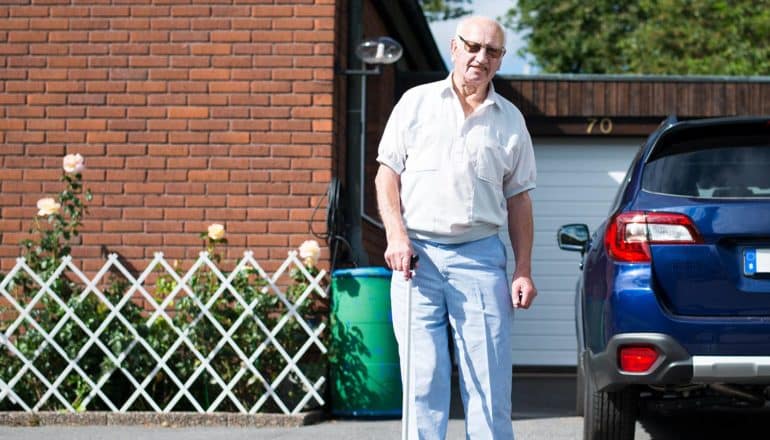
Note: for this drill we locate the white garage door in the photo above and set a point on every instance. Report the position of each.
(577, 179)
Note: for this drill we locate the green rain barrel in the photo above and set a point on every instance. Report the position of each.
(365, 375)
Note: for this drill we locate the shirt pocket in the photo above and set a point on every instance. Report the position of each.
(489, 163)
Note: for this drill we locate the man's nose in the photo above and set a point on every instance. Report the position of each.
(481, 55)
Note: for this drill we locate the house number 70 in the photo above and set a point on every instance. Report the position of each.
(604, 125)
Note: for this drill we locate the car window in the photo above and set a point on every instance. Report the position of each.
(626, 180)
(732, 171)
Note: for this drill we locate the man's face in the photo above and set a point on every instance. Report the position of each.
(479, 57)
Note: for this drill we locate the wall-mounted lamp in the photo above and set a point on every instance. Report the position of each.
(382, 50)
(375, 51)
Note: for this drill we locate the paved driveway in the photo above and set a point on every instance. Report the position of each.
(543, 409)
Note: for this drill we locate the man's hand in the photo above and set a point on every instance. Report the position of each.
(523, 292)
(398, 255)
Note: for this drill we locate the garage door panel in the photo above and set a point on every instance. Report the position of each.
(554, 328)
(582, 179)
(554, 342)
(571, 206)
(550, 197)
(544, 357)
(555, 284)
(564, 299)
(547, 313)
(553, 223)
(577, 182)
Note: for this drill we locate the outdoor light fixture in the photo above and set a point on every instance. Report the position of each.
(382, 50)
(375, 51)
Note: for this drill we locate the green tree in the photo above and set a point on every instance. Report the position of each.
(437, 10)
(687, 37)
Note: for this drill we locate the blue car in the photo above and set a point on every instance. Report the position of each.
(673, 302)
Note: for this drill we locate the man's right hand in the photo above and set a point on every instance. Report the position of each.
(398, 255)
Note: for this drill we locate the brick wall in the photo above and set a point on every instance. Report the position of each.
(188, 112)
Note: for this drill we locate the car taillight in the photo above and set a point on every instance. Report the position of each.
(629, 234)
(636, 359)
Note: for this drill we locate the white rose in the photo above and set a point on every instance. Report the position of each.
(310, 251)
(73, 163)
(47, 206)
(216, 231)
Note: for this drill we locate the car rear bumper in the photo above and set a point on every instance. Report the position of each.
(674, 365)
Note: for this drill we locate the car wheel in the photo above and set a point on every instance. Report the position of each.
(579, 387)
(608, 415)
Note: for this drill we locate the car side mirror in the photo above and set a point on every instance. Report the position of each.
(573, 237)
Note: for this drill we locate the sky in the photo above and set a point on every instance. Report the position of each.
(513, 64)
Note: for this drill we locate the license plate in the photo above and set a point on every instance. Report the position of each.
(756, 261)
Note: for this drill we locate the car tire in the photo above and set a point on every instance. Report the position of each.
(579, 387)
(608, 415)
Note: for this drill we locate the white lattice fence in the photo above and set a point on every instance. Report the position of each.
(203, 340)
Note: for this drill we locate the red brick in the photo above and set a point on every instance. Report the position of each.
(86, 124)
(167, 175)
(208, 176)
(67, 36)
(45, 124)
(86, 24)
(64, 137)
(251, 23)
(11, 124)
(27, 37)
(164, 124)
(230, 138)
(230, 36)
(24, 137)
(150, 11)
(227, 188)
(272, 11)
(187, 138)
(205, 201)
(123, 226)
(146, 112)
(107, 112)
(190, 11)
(183, 214)
(111, 137)
(170, 23)
(28, 112)
(293, 23)
(210, 125)
(249, 176)
(185, 188)
(209, 74)
(314, 11)
(188, 112)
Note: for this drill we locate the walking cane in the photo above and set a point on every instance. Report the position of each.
(408, 350)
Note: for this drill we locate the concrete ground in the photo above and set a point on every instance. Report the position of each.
(543, 408)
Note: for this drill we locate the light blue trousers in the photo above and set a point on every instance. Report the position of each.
(462, 287)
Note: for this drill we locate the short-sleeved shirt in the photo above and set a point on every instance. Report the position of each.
(456, 173)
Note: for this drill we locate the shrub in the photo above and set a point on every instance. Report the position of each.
(205, 329)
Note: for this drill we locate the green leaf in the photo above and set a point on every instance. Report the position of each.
(644, 36)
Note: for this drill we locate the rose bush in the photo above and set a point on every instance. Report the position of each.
(254, 319)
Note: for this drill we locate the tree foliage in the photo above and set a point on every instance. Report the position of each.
(687, 37)
(437, 10)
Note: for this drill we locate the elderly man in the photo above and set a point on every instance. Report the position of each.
(456, 162)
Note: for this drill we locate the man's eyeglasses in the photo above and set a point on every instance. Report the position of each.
(473, 47)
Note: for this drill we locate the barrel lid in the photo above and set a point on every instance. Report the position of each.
(362, 272)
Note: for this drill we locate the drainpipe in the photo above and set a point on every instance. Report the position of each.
(356, 135)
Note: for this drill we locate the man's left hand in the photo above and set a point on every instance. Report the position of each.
(523, 292)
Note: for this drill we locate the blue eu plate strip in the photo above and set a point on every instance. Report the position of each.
(749, 262)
